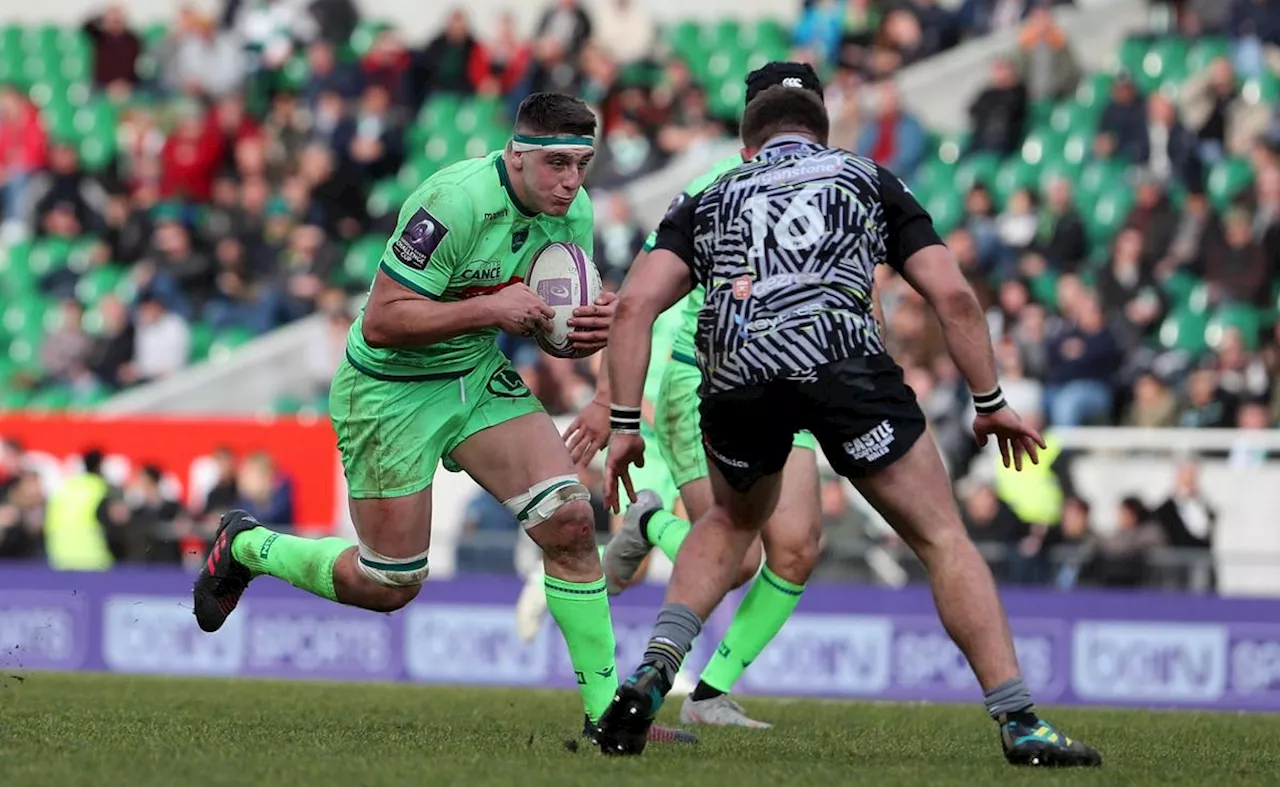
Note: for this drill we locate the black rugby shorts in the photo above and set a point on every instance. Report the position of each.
(862, 412)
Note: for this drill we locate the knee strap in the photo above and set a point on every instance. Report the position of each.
(541, 501)
(393, 572)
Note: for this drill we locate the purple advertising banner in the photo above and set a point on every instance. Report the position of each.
(845, 641)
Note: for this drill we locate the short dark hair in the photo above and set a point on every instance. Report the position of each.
(93, 461)
(780, 109)
(547, 114)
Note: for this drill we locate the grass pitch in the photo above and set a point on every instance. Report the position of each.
(108, 731)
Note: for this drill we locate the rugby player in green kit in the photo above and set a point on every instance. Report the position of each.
(423, 381)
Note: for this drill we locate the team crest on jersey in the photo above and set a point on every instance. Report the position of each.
(742, 288)
(421, 236)
(518, 238)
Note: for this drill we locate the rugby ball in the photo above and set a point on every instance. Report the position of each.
(564, 277)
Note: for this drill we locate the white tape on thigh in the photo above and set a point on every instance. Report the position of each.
(393, 572)
(541, 501)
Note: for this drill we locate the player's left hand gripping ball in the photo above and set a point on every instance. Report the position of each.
(590, 324)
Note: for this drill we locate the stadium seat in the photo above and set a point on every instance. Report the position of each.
(362, 260)
(231, 338)
(1243, 317)
(1014, 174)
(201, 341)
(1206, 50)
(1109, 210)
(98, 282)
(363, 36)
(976, 168)
(1184, 330)
(1228, 178)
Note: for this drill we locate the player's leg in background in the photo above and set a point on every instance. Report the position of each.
(678, 433)
(915, 497)
(746, 479)
(792, 539)
(385, 438)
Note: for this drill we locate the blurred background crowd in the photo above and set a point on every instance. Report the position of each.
(171, 190)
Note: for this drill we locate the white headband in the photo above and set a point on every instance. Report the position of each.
(523, 144)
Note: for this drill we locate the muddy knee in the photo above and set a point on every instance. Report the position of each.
(568, 536)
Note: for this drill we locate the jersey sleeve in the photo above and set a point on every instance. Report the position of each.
(431, 240)
(675, 233)
(582, 224)
(909, 226)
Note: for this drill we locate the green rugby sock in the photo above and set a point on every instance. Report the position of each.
(581, 610)
(666, 531)
(305, 563)
(759, 618)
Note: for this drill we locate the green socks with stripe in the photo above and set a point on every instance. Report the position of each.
(759, 618)
(305, 563)
(665, 530)
(581, 610)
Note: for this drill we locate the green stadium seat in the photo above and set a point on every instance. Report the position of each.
(227, 341)
(49, 254)
(439, 111)
(52, 399)
(947, 208)
(1098, 177)
(363, 36)
(1262, 89)
(13, 398)
(1184, 330)
(1108, 213)
(386, 197)
(1132, 52)
(1205, 51)
(287, 405)
(96, 116)
(98, 150)
(201, 341)
(1246, 319)
(1164, 61)
(952, 147)
(685, 39)
(1014, 174)
(362, 260)
(1228, 178)
(976, 168)
(414, 171)
(1179, 288)
(16, 277)
(99, 282)
(1094, 91)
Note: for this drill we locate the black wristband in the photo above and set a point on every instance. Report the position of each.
(624, 419)
(989, 402)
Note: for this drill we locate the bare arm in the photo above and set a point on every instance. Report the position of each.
(396, 316)
(654, 284)
(933, 272)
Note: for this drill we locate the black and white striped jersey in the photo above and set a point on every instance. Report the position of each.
(786, 246)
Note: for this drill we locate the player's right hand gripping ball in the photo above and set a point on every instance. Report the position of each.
(565, 277)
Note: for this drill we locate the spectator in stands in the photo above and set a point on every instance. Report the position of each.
(308, 263)
(567, 25)
(337, 193)
(1207, 406)
(66, 348)
(270, 29)
(1241, 375)
(12, 463)
(483, 543)
(998, 115)
(324, 356)
(236, 294)
(141, 520)
(327, 74)
(1236, 268)
(115, 53)
(23, 150)
(334, 20)
(821, 29)
(113, 346)
(498, 64)
(1069, 543)
(176, 272)
(1253, 23)
(1045, 60)
(1153, 405)
(1224, 121)
(224, 493)
(1083, 358)
(1155, 220)
(899, 43)
(1122, 131)
(618, 238)
(894, 138)
(625, 153)
(190, 158)
(162, 344)
(390, 65)
(844, 99)
(64, 187)
(626, 30)
(1197, 225)
(264, 492)
(1025, 394)
(1017, 223)
(1130, 292)
(1122, 557)
(1170, 152)
(22, 513)
(1264, 204)
(993, 526)
(690, 125)
(74, 519)
(377, 146)
(199, 59)
(1252, 417)
(1060, 235)
(1186, 516)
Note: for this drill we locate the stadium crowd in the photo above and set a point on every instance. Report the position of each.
(212, 178)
